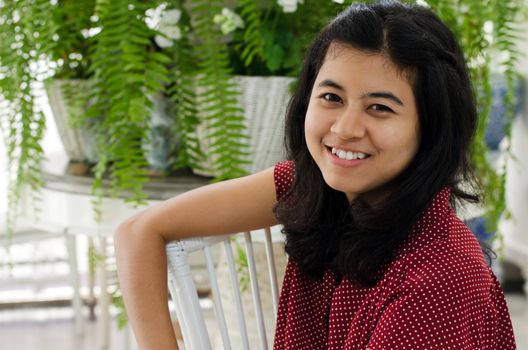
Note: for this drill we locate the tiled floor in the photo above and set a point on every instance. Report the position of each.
(52, 329)
(518, 305)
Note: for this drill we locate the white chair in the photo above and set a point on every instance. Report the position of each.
(32, 235)
(185, 298)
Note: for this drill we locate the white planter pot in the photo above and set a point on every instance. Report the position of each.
(264, 100)
(80, 143)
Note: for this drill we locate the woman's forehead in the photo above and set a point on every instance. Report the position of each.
(339, 49)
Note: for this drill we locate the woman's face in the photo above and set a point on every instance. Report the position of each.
(361, 125)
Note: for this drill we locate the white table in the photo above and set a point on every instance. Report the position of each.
(66, 204)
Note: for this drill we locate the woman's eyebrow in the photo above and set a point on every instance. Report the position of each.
(378, 94)
(384, 94)
(330, 83)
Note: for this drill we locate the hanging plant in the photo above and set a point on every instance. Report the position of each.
(191, 53)
(23, 30)
(217, 95)
(125, 73)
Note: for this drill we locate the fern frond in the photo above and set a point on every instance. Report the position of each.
(253, 43)
(25, 36)
(183, 93)
(126, 73)
(217, 95)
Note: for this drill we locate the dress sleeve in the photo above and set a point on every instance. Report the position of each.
(283, 175)
(444, 310)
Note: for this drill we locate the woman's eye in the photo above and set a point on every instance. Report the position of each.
(330, 97)
(381, 108)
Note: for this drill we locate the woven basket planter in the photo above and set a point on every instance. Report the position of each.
(264, 100)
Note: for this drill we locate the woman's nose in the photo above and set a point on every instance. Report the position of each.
(349, 125)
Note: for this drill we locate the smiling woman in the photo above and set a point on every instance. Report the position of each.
(378, 135)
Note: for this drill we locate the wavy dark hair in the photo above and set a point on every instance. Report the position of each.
(358, 240)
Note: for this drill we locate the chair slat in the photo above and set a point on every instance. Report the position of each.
(255, 291)
(219, 310)
(185, 298)
(272, 271)
(236, 291)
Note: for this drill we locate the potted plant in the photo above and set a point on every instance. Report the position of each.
(193, 53)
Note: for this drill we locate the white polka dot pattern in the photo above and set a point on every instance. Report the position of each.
(283, 174)
(437, 294)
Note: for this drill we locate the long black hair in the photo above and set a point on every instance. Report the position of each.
(322, 228)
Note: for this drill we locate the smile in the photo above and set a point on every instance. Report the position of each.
(348, 155)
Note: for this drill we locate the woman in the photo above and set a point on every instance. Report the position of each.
(378, 135)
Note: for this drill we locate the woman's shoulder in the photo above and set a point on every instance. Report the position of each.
(283, 175)
(442, 288)
(454, 259)
(285, 169)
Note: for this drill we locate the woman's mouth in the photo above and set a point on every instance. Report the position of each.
(348, 155)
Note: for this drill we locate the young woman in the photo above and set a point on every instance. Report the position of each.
(378, 135)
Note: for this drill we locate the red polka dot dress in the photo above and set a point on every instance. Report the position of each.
(438, 294)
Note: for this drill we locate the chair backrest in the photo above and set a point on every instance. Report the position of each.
(185, 297)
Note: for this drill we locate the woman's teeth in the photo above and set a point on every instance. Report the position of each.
(348, 155)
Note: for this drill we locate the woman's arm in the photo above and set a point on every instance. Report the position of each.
(227, 207)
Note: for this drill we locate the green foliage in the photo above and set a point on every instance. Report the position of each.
(242, 266)
(125, 72)
(253, 43)
(71, 17)
(94, 258)
(487, 30)
(118, 303)
(183, 92)
(22, 30)
(76, 98)
(217, 96)
(273, 42)
(507, 34)
(126, 66)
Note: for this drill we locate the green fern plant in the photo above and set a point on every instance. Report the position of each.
(487, 29)
(76, 98)
(182, 92)
(217, 97)
(196, 73)
(23, 30)
(71, 18)
(507, 34)
(253, 42)
(125, 73)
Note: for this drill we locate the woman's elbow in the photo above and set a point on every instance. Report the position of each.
(135, 233)
(128, 234)
(124, 229)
